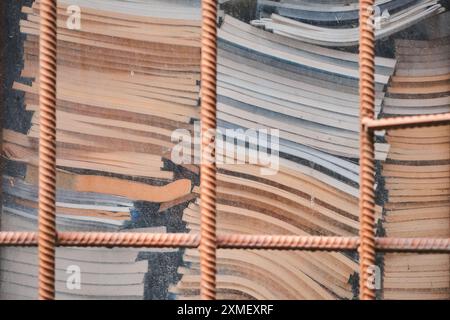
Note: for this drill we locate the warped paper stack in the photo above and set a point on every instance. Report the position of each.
(103, 273)
(310, 94)
(126, 79)
(125, 82)
(391, 16)
(417, 172)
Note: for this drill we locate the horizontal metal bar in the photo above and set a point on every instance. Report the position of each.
(431, 245)
(406, 122)
(105, 239)
(239, 241)
(227, 241)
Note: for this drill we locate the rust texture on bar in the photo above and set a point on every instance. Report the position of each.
(407, 122)
(226, 241)
(208, 165)
(47, 149)
(366, 160)
(129, 239)
(419, 245)
(287, 242)
(18, 238)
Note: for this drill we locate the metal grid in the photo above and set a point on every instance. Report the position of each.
(47, 237)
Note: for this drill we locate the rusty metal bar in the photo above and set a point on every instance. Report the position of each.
(18, 238)
(419, 245)
(226, 241)
(367, 159)
(47, 149)
(241, 241)
(407, 122)
(129, 239)
(208, 241)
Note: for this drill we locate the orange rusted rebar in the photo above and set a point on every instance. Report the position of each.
(18, 238)
(367, 160)
(407, 122)
(129, 239)
(226, 241)
(47, 148)
(318, 243)
(238, 241)
(208, 165)
(419, 245)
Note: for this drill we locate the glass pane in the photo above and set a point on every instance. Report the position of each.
(287, 153)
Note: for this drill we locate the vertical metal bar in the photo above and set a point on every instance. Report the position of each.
(47, 149)
(367, 160)
(208, 241)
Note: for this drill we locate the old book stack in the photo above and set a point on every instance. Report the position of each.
(338, 21)
(416, 173)
(125, 82)
(127, 77)
(81, 273)
(310, 94)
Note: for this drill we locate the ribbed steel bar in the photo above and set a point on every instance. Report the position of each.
(419, 245)
(407, 122)
(18, 238)
(226, 241)
(367, 160)
(47, 148)
(236, 241)
(129, 239)
(208, 164)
